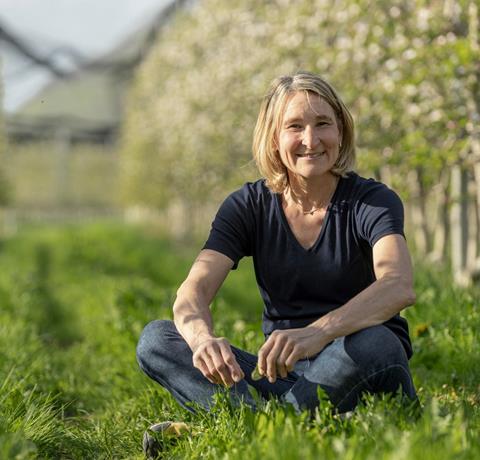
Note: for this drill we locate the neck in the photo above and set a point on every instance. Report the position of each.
(314, 193)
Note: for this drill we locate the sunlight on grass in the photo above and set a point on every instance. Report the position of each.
(74, 300)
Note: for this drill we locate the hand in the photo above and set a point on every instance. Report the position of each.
(284, 348)
(216, 361)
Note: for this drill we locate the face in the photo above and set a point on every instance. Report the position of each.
(309, 137)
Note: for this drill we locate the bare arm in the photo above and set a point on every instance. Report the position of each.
(390, 293)
(191, 312)
(192, 317)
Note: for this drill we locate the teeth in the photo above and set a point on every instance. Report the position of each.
(315, 155)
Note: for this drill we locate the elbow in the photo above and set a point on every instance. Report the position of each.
(408, 294)
(410, 298)
(175, 310)
(189, 293)
(178, 299)
(179, 310)
(405, 292)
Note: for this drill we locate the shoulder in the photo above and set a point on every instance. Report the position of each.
(369, 191)
(252, 189)
(251, 194)
(378, 210)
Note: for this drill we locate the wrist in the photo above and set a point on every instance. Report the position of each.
(198, 339)
(322, 332)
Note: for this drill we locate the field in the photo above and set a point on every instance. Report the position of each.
(73, 301)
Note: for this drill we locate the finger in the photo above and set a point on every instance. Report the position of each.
(206, 356)
(294, 356)
(272, 360)
(282, 368)
(229, 358)
(262, 355)
(221, 367)
(200, 364)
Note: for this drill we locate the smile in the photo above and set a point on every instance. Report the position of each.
(311, 155)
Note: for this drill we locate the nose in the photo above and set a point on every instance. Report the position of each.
(310, 138)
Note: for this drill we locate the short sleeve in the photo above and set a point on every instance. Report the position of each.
(231, 231)
(379, 212)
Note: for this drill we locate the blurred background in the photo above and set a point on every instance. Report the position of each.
(143, 110)
(125, 123)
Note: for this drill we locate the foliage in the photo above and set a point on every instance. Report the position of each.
(408, 70)
(73, 302)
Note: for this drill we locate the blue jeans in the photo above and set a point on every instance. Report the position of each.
(372, 360)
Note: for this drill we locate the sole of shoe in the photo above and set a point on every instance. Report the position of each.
(154, 437)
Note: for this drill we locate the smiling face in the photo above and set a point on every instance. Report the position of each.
(309, 136)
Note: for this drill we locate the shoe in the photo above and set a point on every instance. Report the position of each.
(158, 435)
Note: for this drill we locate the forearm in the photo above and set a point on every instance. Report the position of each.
(374, 305)
(192, 316)
(212, 355)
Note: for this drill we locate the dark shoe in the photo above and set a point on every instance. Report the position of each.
(158, 436)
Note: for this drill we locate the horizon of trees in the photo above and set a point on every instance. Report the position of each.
(409, 71)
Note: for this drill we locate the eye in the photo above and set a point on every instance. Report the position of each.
(294, 126)
(323, 123)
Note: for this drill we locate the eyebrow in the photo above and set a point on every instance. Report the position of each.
(318, 117)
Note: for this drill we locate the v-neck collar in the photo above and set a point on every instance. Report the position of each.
(283, 217)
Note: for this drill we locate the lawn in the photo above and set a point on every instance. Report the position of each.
(73, 301)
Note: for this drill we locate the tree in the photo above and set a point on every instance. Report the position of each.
(409, 70)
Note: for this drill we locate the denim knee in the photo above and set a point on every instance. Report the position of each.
(153, 340)
(371, 360)
(375, 347)
(379, 352)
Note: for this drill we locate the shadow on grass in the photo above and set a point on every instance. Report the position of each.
(55, 325)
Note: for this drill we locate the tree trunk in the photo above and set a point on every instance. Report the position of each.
(472, 246)
(476, 178)
(419, 219)
(459, 225)
(441, 229)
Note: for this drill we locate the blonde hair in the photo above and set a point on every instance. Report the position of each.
(265, 150)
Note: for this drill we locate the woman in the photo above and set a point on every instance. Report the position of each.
(330, 260)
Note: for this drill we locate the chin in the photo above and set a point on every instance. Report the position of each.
(313, 173)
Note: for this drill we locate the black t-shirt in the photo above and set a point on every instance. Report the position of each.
(300, 285)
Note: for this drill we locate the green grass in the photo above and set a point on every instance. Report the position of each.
(73, 301)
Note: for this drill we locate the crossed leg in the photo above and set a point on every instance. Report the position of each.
(370, 360)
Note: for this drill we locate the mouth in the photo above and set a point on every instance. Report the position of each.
(311, 156)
